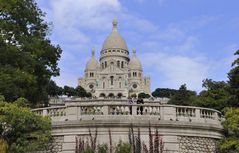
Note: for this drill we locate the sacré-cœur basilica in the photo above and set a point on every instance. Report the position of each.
(108, 117)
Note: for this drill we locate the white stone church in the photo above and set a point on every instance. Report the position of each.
(115, 75)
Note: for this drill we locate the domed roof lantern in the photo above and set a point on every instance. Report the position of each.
(134, 63)
(92, 64)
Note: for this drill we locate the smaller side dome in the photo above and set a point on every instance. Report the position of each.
(134, 63)
(92, 64)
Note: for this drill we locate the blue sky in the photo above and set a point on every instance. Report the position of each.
(177, 41)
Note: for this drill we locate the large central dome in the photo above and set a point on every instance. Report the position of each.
(114, 40)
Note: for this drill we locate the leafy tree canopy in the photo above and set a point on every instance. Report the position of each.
(143, 95)
(21, 130)
(183, 96)
(81, 92)
(27, 57)
(214, 96)
(233, 76)
(230, 144)
(164, 92)
(54, 90)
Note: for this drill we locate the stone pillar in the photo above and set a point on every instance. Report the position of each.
(44, 112)
(134, 110)
(71, 113)
(105, 110)
(168, 113)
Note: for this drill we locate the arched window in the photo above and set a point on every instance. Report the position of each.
(122, 64)
(111, 80)
(102, 95)
(103, 85)
(119, 84)
(119, 95)
(111, 95)
(118, 63)
(105, 64)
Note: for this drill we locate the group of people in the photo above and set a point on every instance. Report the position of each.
(136, 101)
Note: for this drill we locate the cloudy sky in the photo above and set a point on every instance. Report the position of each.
(177, 41)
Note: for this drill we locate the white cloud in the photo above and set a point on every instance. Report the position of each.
(177, 69)
(81, 13)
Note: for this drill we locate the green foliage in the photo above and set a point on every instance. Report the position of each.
(143, 95)
(23, 130)
(80, 92)
(69, 91)
(103, 148)
(233, 76)
(214, 96)
(27, 57)
(183, 96)
(230, 144)
(123, 147)
(3, 146)
(88, 149)
(164, 92)
(53, 90)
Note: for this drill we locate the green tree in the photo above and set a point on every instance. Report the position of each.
(164, 92)
(102, 148)
(233, 76)
(81, 92)
(27, 58)
(214, 96)
(183, 96)
(230, 144)
(69, 91)
(22, 130)
(123, 147)
(53, 90)
(143, 95)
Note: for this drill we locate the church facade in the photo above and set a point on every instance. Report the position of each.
(115, 74)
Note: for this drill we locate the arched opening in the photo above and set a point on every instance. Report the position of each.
(122, 64)
(105, 64)
(103, 85)
(118, 63)
(111, 95)
(112, 80)
(119, 95)
(102, 95)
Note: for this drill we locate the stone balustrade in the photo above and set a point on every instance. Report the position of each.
(77, 111)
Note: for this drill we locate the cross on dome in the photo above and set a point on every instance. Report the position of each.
(93, 52)
(115, 23)
(134, 52)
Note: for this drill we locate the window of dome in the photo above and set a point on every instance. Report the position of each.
(122, 64)
(91, 86)
(135, 86)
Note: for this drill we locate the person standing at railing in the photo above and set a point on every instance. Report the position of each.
(140, 108)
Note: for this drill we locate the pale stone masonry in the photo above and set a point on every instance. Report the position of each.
(115, 75)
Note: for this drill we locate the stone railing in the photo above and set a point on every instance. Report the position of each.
(110, 110)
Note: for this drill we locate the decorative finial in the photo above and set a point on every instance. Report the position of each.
(134, 52)
(114, 23)
(93, 52)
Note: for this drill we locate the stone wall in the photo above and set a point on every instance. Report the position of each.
(197, 144)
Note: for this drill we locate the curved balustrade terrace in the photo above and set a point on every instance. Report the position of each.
(178, 125)
(113, 109)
